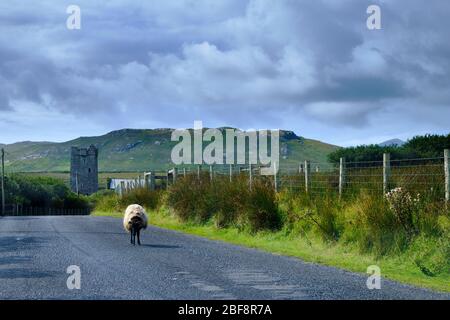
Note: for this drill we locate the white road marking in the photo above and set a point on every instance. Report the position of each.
(262, 281)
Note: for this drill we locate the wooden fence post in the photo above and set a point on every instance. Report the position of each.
(386, 172)
(307, 176)
(211, 173)
(184, 172)
(231, 172)
(447, 174)
(341, 176)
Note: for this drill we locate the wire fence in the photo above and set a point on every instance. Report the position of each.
(422, 175)
(416, 175)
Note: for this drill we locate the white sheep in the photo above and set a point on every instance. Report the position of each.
(134, 220)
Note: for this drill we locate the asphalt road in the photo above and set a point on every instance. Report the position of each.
(36, 251)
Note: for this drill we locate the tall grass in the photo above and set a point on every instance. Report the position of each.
(375, 225)
(201, 199)
(109, 201)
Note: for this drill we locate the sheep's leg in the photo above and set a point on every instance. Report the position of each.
(139, 237)
(132, 235)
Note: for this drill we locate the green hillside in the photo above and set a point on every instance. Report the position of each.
(138, 150)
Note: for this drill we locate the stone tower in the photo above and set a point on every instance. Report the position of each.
(84, 170)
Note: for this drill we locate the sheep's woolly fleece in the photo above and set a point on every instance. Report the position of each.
(134, 210)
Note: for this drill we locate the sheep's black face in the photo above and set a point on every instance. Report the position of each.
(136, 223)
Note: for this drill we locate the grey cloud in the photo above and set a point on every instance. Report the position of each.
(231, 62)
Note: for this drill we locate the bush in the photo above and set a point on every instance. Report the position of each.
(373, 226)
(231, 201)
(403, 206)
(261, 209)
(109, 201)
(326, 213)
(147, 198)
(432, 255)
(192, 198)
(224, 202)
(41, 192)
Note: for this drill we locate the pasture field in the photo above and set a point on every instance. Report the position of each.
(102, 176)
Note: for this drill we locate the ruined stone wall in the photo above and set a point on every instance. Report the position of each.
(84, 170)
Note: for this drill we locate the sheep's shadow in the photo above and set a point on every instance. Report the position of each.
(160, 246)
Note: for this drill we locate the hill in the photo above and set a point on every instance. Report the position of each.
(392, 142)
(138, 150)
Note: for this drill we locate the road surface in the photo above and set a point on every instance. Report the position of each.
(35, 253)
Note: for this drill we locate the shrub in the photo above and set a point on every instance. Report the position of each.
(296, 209)
(372, 225)
(403, 206)
(326, 217)
(432, 255)
(231, 201)
(261, 210)
(109, 201)
(41, 192)
(150, 199)
(226, 203)
(192, 198)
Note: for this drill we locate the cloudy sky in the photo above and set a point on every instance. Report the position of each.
(309, 66)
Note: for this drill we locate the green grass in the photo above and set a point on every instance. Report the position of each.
(313, 249)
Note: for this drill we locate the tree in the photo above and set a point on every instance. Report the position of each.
(427, 146)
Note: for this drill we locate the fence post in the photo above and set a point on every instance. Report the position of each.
(231, 172)
(307, 176)
(211, 173)
(198, 172)
(447, 174)
(386, 172)
(341, 176)
(184, 172)
(174, 175)
(250, 175)
(122, 188)
(275, 176)
(152, 180)
(167, 179)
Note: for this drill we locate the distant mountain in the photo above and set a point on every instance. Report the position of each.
(392, 142)
(139, 150)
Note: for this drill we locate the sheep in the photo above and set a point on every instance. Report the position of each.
(134, 220)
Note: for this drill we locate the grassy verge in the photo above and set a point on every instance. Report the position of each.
(400, 268)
